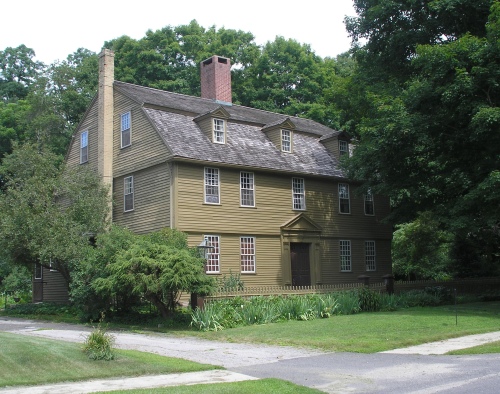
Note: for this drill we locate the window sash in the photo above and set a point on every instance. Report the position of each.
(219, 131)
(298, 194)
(345, 256)
(343, 148)
(212, 186)
(247, 254)
(213, 256)
(344, 201)
(128, 193)
(38, 271)
(286, 141)
(247, 191)
(125, 130)
(370, 256)
(369, 204)
(84, 147)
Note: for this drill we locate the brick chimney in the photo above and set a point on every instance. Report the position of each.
(105, 119)
(216, 79)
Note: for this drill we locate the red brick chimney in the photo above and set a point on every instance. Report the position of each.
(216, 79)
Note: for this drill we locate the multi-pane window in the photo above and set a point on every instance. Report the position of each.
(370, 260)
(369, 206)
(213, 255)
(125, 130)
(128, 193)
(247, 253)
(38, 271)
(343, 148)
(286, 141)
(298, 194)
(212, 185)
(219, 131)
(247, 194)
(344, 202)
(345, 256)
(84, 146)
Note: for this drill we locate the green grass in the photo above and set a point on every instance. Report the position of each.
(263, 386)
(370, 332)
(493, 347)
(29, 361)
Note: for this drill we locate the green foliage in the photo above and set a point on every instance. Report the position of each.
(98, 345)
(229, 283)
(369, 300)
(43, 309)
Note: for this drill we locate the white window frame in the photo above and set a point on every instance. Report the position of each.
(298, 194)
(52, 269)
(343, 148)
(125, 129)
(128, 190)
(369, 201)
(344, 198)
(345, 255)
(370, 256)
(211, 181)
(38, 274)
(247, 255)
(247, 189)
(84, 147)
(212, 265)
(286, 141)
(219, 131)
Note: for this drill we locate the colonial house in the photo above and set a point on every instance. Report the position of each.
(265, 190)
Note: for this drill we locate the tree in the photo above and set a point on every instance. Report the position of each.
(48, 212)
(158, 267)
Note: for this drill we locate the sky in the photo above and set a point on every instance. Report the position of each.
(56, 28)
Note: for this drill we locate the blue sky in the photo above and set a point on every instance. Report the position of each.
(56, 28)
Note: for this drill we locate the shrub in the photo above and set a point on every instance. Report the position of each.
(369, 300)
(99, 344)
(348, 303)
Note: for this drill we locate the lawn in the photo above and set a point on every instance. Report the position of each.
(493, 347)
(29, 361)
(370, 332)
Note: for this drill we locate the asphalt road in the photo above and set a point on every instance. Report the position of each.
(329, 372)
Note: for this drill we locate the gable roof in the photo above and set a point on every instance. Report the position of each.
(174, 116)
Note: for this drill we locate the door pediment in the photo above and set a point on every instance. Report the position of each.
(301, 223)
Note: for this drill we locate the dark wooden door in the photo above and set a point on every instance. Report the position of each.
(37, 291)
(301, 270)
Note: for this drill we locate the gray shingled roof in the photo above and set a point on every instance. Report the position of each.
(246, 145)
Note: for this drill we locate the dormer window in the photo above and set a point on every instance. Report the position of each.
(343, 148)
(286, 141)
(219, 130)
(84, 147)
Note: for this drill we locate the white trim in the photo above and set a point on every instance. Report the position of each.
(125, 126)
(128, 189)
(345, 253)
(286, 141)
(370, 258)
(344, 195)
(212, 265)
(218, 131)
(213, 183)
(368, 197)
(249, 256)
(82, 134)
(247, 186)
(298, 194)
(38, 266)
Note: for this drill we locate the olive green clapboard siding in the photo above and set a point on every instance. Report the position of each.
(147, 147)
(151, 200)
(55, 288)
(331, 260)
(273, 206)
(89, 123)
(332, 144)
(274, 136)
(206, 125)
(267, 258)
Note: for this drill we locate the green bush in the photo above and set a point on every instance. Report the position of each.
(369, 300)
(99, 344)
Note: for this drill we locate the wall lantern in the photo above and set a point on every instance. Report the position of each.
(204, 249)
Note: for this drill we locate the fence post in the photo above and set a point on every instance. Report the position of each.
(389, 283)
(365, 279)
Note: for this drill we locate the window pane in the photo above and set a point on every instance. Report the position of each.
(219, 132)
(125, 130)
(344, 202)
(369, 206)
(128, 193)
(345, 255)
(247, 253)
(84, 147)
(298, 194)
(286, 141)
(213, 255)
(247, 189)
(370, 256)
(212, 185)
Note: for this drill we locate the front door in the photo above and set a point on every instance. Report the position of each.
(301, 271)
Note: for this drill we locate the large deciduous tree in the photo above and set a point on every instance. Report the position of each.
(48, 212)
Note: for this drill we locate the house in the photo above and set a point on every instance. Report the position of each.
(265, 190)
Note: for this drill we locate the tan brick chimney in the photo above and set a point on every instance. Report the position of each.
(105, 119)
(216, 79)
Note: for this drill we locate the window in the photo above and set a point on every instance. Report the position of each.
(247, 189)
(52, 266)
(213, 255)
(345, 256)
(219, 131)
(38, 271)
(369, 208)
(286, 141)
(84, 147)
(298, 194)
(343, 148)
(247, 253)
(212, 185)
(370, 256)
(125, 130)
(128, 193)
(344, 203)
